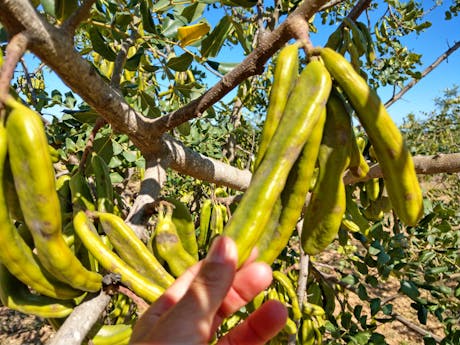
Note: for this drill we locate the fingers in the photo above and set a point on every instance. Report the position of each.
(196, 297)
(260, 326)
(248, 282)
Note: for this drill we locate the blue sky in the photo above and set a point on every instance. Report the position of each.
(431, 43)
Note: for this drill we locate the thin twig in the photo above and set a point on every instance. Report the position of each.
(33, 96)
(430, 68)
(90, 142)
(121, 59)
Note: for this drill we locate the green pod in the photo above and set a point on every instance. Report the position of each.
(353, 212)
(372, 187)
(293, 197)
(11, 196)
(205, 219)
(183, 220)
(285, 75)
(168, 245)
(132, 250)
(358, 165)
(104, 188)
(16, 255)
(15, 295)
(303, 109)
(335, 39)
(286, 283)
(119, 334)
(327, 203)
(217, 221)
(33, 176)
(129, 277)
(64, 194)
(391, 151)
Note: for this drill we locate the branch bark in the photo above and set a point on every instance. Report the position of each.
(424, 165)
(75, 328)
(431, 67)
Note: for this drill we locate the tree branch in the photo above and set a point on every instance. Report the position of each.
(75, 328)
(253, 64)
(189, 162)
(80, 15)
(431, 67)
(143, 207)
(14, 52)
(424, 165)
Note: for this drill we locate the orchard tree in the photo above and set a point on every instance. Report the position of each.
(145, 135)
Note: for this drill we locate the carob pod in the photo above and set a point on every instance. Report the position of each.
(16, 255)
(285, 76)
(139, 284)
(326, 208)
(183, 220)
(390, 149)
(305, 105)
(132, 250)
(293, 197)
(33, 176)
(168, 244)
(15, 295)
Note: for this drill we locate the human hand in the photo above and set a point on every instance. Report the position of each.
(191, 310)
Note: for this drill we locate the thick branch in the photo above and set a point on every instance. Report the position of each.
(186, 161)
(142, 209)
(75, 328)
(431, 67)
(424, 165)
(54, 47)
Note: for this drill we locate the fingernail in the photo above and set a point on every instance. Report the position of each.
(222, 250)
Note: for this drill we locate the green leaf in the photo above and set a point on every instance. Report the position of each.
(49, 6)
(387, 309)
(193, 12)
(130, 156)
(212, 44)
(100, 46)
(180, 63)
(410, 289)
(375, 306)
(70, 100)
(132, 64)
(115, 177)
(147, 20)
(56, 96)
(222, 67)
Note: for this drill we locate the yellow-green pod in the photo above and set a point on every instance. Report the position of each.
(132, 250)
(183, 220)
(304, 106)
(390, 149)
(168, 245)
(285, 75)
(15, 295)
(327, 203)
(113, 335)
(139, 284)
(16, 255)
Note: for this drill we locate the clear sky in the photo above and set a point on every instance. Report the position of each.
(431, 44)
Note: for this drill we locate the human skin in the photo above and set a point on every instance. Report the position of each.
(191, 310)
